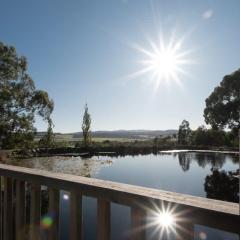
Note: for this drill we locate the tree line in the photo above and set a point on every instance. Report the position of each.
(203, 136)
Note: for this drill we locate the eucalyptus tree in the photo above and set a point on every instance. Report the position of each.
(223, 105)
(20, 101)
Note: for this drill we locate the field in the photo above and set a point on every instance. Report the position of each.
(113, 136)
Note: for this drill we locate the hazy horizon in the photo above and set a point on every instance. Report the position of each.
(116, 130)
(104, 53)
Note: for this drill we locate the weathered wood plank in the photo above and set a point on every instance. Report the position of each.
(8, 209)
(128, 194)
(103, 219)
(76, 215)
(138, 224)
(35, 212)
(108, 189)
(20, 210)
(54, 212)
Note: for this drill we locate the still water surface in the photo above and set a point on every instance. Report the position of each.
(179, 172)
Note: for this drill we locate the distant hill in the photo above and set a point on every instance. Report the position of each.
(130, 134)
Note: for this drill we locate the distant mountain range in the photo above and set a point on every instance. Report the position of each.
(134, 134)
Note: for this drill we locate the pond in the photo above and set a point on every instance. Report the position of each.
(183, 172)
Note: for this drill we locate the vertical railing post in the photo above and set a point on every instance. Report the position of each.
(76, 215)
(8, 209)
(20, 210)
(103, 219)
(138, 224)
(1, 210)
(54, 212)
(35, 212)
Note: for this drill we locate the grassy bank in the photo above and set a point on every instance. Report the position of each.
(120, 148)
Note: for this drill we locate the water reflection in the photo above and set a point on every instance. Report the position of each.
(214, 160)
(222, 185)
(184, 161)
(71, 165)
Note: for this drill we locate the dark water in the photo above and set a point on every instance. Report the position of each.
(183, 172)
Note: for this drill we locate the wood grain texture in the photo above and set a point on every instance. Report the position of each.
(35, 212)
(54, 212)
(1, 210)
(76, 216)
(20, 210)
(138, 224)
(103, 219)
(8, 209)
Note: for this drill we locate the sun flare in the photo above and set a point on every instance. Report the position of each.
(163, 62)
(165, 219)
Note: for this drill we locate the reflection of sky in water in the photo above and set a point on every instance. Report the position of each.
(179, 172)
(206, 233)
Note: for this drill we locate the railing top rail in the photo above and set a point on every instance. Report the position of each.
(116, 192)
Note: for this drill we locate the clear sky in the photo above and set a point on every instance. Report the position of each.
(85, 51)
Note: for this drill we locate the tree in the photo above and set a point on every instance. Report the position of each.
(184, 132)
(223, 105)
(47, 141)
(209, 137)
(20, 101)
(86, 125)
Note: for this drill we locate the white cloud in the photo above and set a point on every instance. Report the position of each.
(207, 14)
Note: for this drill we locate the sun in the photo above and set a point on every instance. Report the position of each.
(165, 219)
(163, 61)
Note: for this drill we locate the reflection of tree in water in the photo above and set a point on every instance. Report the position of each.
(184, 161)
(222, 185)
(215, 160)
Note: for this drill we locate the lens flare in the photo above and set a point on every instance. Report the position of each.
(46, 222)
(65, 196)
(165, 219)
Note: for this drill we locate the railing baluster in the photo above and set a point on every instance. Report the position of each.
(75, 215)
(8, 209)
(138, 224)
(54, 212)
(103, 220)
(35, 211)
(20, 210)
(1, 209)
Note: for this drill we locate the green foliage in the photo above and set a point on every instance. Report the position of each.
(223, 105)
(20, 102)
(213, 137)
(47, 141)
(86, 125)
(184, 132)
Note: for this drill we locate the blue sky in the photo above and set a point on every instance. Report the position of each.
(82, 51)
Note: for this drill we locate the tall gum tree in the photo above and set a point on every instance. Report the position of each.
(223, 105)
(20, 101)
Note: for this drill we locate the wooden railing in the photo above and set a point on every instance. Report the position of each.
(194, 210)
